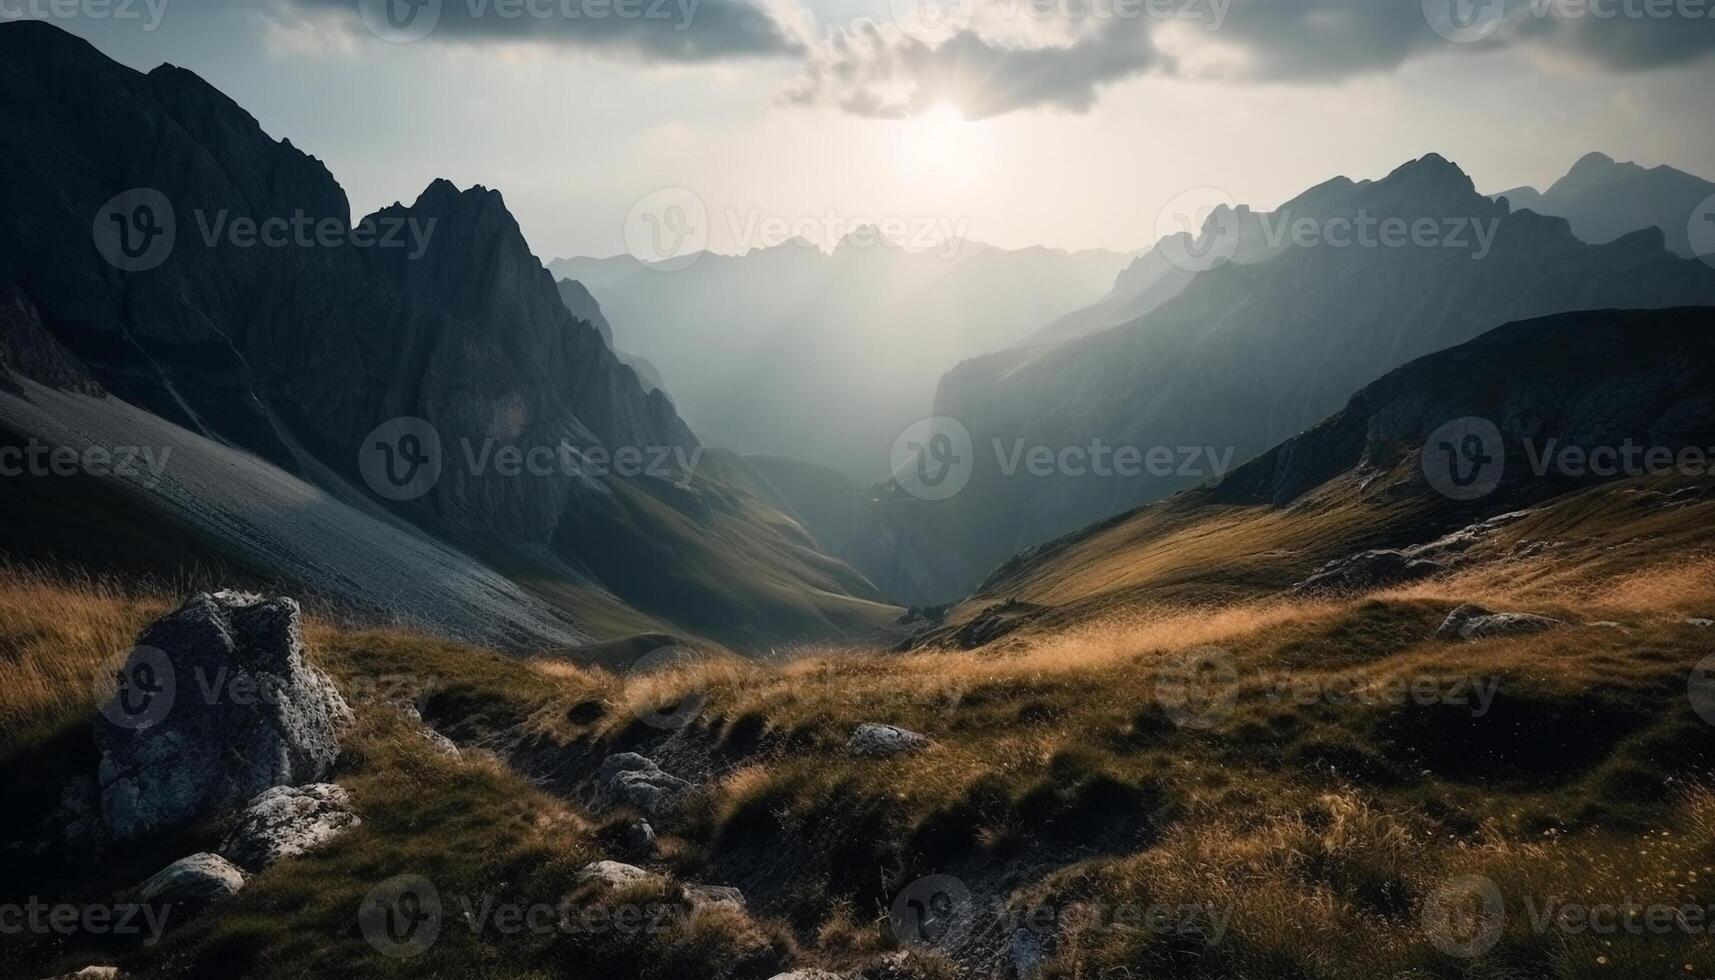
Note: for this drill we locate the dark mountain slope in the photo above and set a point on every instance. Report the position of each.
(1358, 480)
(296, 347)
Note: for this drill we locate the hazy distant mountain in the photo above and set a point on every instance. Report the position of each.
(1604, 200)
(288, 356)
(828, 356)
(1250, 353)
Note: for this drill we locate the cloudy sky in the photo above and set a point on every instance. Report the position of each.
(1068, 123)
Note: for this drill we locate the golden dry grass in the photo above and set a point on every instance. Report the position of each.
(57, 633)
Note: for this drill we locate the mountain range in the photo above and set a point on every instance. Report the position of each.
(274, 368)
(1232, 357)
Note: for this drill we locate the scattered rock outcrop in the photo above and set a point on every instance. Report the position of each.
(636, 780)
(874, 741)
(1384, 567)
(193, 882)
(1472, 622)
(287, 821)
(216, 704)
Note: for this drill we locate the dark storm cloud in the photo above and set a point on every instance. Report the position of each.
(877, 70)
(865, 71)
(653, 30)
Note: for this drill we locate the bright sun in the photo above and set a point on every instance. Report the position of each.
(938, 149)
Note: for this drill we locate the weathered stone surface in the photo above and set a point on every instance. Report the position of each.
(192, 882)
(613, 874)
(1472, 622)
(884, 741)
(1368, 570)
(716, 895)
(287, 821)
(807, 975)
(636, 780)
(235, 709)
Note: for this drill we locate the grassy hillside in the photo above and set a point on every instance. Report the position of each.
(1302, 817)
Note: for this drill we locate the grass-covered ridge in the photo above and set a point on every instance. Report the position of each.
(1306, 821)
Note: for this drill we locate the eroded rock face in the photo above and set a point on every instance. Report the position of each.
(215, 705)
(636, 780)
(884, 741)
(287, 821)
(1472, 622)
(194, 882)
(1368, 570)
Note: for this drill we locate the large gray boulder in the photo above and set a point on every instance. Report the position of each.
(636, 780)
(192, 882)
(884, 741)
(287, 821)
(214, 705)
(1472, 622)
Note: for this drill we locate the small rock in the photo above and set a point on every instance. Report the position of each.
(1702, 623)
(639, 836)
(884, 741)
(635, 779)
(1026, 955)
(287, 821)
(613, 874)
(1472, 622)
(228, 708)
(93, 973)
(806, 975)
(716, 895)
(440, 743)
(195, 882)
(1606, 624)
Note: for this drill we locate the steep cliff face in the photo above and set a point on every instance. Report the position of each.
(196, 267)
